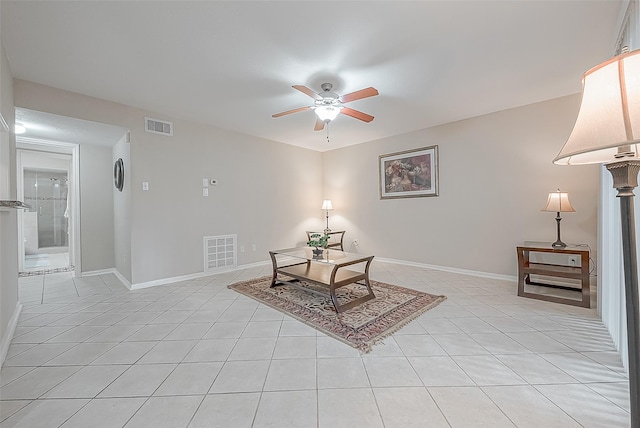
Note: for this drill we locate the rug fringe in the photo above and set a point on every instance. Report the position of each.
(409, 318)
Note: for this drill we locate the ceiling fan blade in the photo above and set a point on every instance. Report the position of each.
(358, 95)
(295, 110)
(307, 91)
(357, 114)
(319, 125)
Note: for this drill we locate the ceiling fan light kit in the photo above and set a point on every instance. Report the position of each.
(328, 105)
(327, 113)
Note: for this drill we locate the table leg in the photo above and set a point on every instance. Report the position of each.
(332, 290)
(275, 268)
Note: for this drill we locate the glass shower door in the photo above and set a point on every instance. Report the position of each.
(47, 193)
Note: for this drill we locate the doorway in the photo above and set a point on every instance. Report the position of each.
(46, 224)
(47, 177)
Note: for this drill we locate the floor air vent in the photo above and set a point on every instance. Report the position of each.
(220, 252)
(156, 126)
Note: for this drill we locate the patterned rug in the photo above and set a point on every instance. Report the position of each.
(361, 326)
(69, 268)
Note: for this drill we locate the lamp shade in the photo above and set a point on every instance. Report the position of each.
(327, 113)
(608, 124)
(558, 202)
(326, 205)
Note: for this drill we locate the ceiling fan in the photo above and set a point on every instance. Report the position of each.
(328, 104)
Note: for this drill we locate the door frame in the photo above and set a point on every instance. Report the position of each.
(55, 147)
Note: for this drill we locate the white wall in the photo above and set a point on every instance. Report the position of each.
(96, 208)
(495, 176)
(122, 213)
(268, 193)
(9, 307)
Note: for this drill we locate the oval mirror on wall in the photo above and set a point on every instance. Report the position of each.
(118, 174)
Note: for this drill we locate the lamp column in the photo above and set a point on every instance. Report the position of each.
(327, 230)
(558, 243)
(326, 206)
(625, 179)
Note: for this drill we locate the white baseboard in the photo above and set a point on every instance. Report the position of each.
(8, 335)
(122, 279)
(252, 265)
(114, 271)
(166, 281)
(451, 269)
(98, 272)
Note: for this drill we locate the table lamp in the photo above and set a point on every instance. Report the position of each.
(326, 205)
(558, 202)
(607, 131)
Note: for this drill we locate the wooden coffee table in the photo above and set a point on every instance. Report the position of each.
(329, 271)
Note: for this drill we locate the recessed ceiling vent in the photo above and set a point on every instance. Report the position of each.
(156, 126)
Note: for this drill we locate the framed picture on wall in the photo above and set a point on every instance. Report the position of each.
(409, 174)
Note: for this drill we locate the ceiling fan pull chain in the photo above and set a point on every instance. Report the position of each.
(328, 132)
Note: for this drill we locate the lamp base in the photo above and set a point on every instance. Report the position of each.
(559, 244)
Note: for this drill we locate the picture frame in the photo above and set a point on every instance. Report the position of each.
(409, 174)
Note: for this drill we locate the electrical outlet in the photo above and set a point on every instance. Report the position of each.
(253, 247)
(242, 248)
(573, 261)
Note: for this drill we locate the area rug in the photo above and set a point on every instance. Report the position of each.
(361, 326)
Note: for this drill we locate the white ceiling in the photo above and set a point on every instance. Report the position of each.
(231, 64)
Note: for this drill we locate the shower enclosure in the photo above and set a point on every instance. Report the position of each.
(46, 225)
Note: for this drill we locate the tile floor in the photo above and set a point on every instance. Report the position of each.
(87, 352)
(45, 263)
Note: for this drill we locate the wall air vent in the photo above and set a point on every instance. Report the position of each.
(220, 252)
(156, 126)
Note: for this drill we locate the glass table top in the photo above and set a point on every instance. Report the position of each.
(329, 255)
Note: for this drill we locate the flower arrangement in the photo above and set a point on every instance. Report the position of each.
(319, 240)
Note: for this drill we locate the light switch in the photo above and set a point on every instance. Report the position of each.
(205, 191)
(145, 185)
(205, 182)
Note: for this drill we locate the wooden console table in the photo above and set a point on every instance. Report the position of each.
(526, 268)
(335, 238)
(328, 270)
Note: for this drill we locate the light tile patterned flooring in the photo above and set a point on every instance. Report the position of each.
(89, 353)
